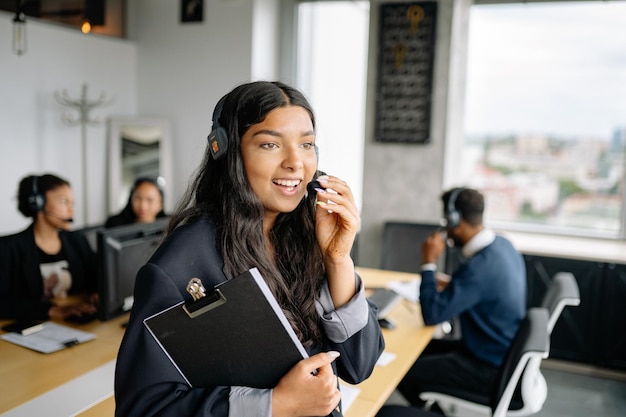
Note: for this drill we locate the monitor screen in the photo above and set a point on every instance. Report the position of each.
(122, 251)
(402, 247)
(91, 234)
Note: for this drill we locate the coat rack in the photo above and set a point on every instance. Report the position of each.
(84, 106)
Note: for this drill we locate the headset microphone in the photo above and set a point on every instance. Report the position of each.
(311, 187)
(63, 219)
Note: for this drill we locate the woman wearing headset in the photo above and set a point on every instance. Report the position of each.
(42, 264)
(248, 206)
(145, 204)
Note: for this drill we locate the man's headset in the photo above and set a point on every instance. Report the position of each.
(451, 214)
(218, 138)
(36, 200)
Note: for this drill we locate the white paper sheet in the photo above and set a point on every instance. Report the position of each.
(52, 338)
(408, 289)
(348, 395)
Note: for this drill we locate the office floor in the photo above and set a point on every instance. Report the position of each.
(576, 391)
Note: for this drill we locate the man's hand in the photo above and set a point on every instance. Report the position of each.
(433, 247)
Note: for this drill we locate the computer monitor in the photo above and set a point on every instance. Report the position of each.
(402, 247)
(122, 251)
(91, 234)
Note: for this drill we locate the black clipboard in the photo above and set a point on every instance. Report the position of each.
(235, 335)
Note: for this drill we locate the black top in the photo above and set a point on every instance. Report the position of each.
(21, 283)
(146, 381)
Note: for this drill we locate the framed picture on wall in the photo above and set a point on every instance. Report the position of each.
(191, 11)
(406, 48)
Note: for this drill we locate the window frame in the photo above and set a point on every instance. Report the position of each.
(457, 140)
(454, 130)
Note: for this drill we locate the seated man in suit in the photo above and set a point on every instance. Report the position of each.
(487, 293)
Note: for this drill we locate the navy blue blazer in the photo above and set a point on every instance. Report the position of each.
(148, 384)
(21, 283)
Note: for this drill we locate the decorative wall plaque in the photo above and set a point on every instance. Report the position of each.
(405, 68)
(191, 11)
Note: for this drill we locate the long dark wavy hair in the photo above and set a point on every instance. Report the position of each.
(220, 189)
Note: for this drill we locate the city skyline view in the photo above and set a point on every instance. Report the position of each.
(545, 114)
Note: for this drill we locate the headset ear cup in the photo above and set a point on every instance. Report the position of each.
(41, 202)
(453, 219)
(218, 142)
(36, 200)
(218, 138)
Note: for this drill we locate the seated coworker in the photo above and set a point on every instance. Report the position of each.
(487, 292)
(41, 265)
(248, 207)
(145, 204)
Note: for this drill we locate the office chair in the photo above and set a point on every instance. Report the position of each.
(562, 292)
(521, 365)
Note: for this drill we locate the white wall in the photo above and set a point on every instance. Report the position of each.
(33, 138)
(167, 69)
(179, 71)
(184, 69)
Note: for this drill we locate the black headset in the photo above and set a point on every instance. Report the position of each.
(218, 138)
(36, 200)
(452, 215)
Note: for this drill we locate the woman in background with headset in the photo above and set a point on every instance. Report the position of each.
(145, 204)
(42, 264)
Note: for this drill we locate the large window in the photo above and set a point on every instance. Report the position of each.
(545, 115)
(332, 69)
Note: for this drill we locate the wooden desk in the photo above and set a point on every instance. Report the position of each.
(26, 374)
(406, 341)
(30, 374)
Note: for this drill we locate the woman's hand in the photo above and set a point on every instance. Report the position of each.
(337, 219)
(337, 222)
(308, 389)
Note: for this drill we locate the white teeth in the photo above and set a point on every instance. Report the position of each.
(287, 183)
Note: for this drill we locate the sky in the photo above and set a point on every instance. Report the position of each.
(557, 68)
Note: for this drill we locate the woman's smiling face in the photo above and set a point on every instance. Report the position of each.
(279, 158)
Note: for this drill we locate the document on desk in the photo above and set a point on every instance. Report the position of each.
(385, 358)
(408, 289)
(348, 395)
(52, 338)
